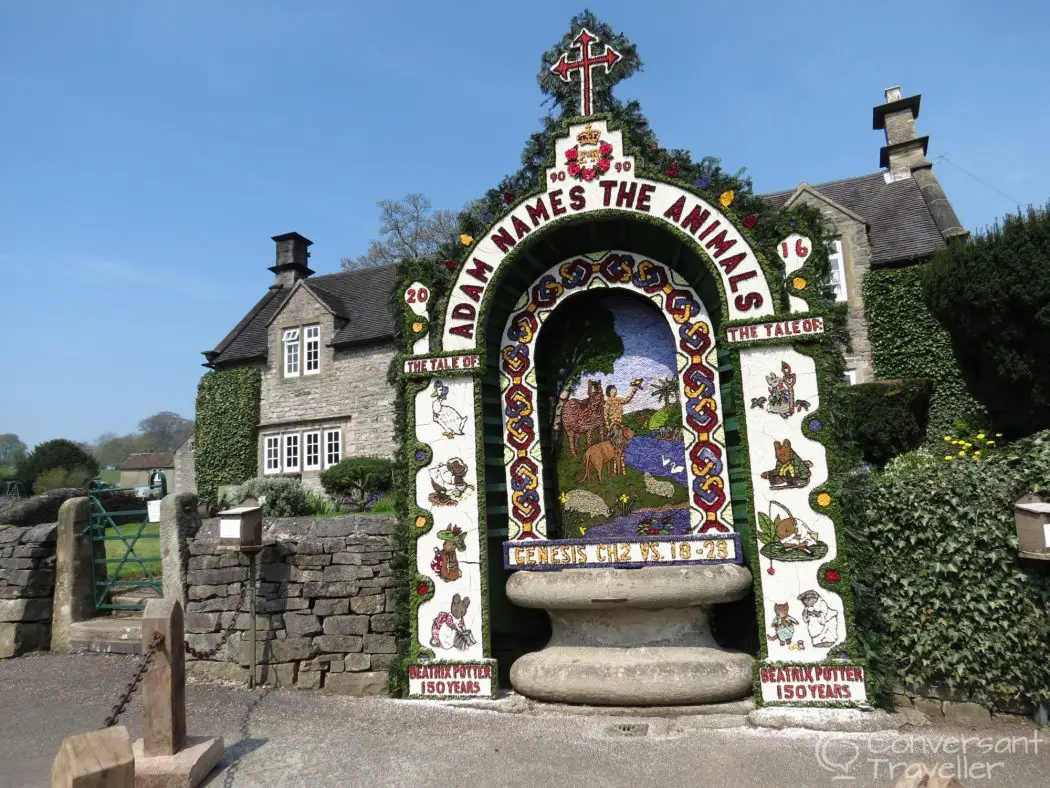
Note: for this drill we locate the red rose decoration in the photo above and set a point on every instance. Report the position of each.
(571, 154)
(672, 171)
(751, 221)
(605, 149)
(832, 576)
(508, 197)
(423, 589)
(451, 265)
(588, 173)
(603, 165)
(574, 169)
(417, 381)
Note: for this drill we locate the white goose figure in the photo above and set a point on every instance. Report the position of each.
(445, 415)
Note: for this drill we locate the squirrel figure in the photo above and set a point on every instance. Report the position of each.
(791, 470)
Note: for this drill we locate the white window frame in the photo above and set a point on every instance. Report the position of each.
(316, 465)
(292, 353)
(292, 451)
(837, 262)
(271, 442)
(338, 433)
(851, 376)
(312, 349)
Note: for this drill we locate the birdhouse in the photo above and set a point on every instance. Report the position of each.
(1033, 528)
(241, 529)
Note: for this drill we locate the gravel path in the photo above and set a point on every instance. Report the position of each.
(293, 738)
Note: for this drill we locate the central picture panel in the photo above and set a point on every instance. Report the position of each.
(612, 417)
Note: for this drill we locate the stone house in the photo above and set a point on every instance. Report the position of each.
(324, 343)
(134, 471)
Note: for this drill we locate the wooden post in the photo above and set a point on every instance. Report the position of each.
(99, 759)
(164, 686)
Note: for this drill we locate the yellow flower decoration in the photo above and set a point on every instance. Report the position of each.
(417, 327)
(798, 283)
(624, 498)
(726, 198)
(466, 240)
(823, 499)
(421, 521)
(563, 498)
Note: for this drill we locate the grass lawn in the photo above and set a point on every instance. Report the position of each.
(146, 549)
(110, 477)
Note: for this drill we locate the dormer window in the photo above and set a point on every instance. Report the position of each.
(291, 352)
(313, 349)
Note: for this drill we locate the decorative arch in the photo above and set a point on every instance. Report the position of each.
(742, 275)
(698, 384)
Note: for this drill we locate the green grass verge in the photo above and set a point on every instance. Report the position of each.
(146, 549)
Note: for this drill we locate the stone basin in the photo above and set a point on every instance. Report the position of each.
(632, 637)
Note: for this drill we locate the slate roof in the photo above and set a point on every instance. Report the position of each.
(900, 226)
(147, 461)
(359, 298)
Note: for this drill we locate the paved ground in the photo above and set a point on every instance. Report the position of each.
(290, 738)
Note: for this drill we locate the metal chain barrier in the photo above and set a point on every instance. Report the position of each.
(125, 697)
(211, 652)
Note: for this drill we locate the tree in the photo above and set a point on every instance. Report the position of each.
(666, 390)
(164, 431)
(111, 449)
(58, 453)
(576, 341)
(992, 294)
(409, 229)
(12, 449)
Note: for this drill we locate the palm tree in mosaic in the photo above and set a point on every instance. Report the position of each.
(666, 390)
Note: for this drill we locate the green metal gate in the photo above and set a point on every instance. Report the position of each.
(125, 548)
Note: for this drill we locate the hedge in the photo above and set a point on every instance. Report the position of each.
(993, 296)
(227, 416)
(885, 418)
(908, 342)
(937, 578)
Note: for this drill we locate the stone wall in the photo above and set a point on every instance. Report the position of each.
(325, 604)
(350, 391)
(27, 583)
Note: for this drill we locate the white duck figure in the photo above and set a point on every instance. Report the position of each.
(445, 415)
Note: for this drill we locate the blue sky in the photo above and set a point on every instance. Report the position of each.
(152, 149)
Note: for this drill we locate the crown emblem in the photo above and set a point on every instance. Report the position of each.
(589, 136)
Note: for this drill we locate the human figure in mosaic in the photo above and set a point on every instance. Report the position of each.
(614, 428)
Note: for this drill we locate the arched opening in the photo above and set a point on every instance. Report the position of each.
(514, 630)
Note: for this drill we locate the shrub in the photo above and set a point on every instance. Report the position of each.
(884, 418)
(284, 497)
(60, 478)
(8, 473)
(320, 505)
(58, 453)
(940, 580)
(359, 480)
(993, 296)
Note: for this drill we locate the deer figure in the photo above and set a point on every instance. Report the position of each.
(583, 416)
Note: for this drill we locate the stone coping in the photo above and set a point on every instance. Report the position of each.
(294, 528)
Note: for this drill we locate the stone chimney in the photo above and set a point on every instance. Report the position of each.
(292, 255)
(903, 149)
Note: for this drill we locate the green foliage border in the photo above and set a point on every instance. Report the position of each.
(226, 445)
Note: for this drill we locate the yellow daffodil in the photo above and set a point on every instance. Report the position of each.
(989, 443)
(948, 438)
(980, 436)
(962, 452)
(948, 458)
(998, 435)
(977, 453)
(624, 498)
(726, 198)
(564, 498)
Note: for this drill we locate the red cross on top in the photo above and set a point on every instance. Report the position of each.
(564, 67)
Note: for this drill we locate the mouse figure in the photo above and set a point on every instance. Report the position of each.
(449, 630)
(791, 470)
(781, 388)
(821, 620)
(783, 624)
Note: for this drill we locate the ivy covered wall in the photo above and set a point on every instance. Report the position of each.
(227, 415)
(908, 342)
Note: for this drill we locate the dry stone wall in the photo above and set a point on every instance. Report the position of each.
(325, 604)
(27, 584)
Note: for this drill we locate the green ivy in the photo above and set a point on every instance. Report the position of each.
(227, 415)
(908, 342)
(953, 603)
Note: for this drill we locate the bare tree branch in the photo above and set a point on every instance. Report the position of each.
(409, 229)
